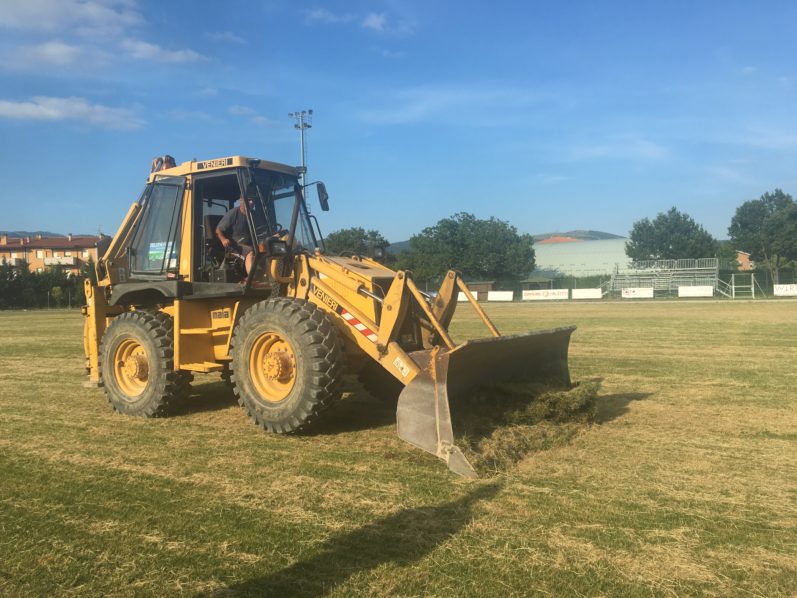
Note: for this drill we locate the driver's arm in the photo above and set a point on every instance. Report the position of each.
(224, 224)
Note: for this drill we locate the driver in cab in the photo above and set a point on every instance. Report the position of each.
(233, 228)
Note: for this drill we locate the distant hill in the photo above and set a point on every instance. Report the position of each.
(18, 234)
(581, 235)
(396, 248)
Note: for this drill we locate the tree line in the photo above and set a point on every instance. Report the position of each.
(482, 249)
(53, 287)
(765, 228)
(492, 249)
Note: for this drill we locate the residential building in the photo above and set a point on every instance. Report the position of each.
(745, 263)
(70, 253)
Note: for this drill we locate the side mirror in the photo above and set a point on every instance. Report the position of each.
(274, 247)
(377, 253)
(323, 197)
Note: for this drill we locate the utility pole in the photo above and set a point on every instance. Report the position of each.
(302, 120)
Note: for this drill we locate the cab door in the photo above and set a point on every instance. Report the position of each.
(155, 248)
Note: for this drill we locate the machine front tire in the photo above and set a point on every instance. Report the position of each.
(287, 363)
(137, 365)
(378, 383)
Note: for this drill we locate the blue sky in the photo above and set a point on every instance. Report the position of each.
(552, 115)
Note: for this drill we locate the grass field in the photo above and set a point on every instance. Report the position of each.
(686, 484)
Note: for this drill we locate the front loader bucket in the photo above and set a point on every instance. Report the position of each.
(424, 416)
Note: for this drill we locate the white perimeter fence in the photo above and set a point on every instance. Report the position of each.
(692, 278)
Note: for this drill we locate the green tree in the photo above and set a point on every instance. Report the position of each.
(670, 236)
(481, 249)
(57, 294)
(354, 240)
(727, 255)
(766, 228)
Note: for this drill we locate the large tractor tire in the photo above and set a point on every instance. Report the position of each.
(379, 383)
(287, 363)
(137, 365)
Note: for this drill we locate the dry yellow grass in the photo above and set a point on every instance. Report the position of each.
(686, 483)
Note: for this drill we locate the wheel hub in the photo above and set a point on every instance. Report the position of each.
(136, 367)
(131, 367)
(277, 366)
(272, 366)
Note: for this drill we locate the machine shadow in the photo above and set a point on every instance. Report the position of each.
(356, 411)
(611, 407)
(210, 396)
(402, 539)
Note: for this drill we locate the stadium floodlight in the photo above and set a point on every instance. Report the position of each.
(302, 121)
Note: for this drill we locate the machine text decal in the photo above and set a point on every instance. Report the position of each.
(326, 299)
(347, 317)
(214, 163)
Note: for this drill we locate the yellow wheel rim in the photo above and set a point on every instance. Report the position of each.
(131, 367)
(272, 366)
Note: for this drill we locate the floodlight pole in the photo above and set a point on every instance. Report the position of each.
(302, 121)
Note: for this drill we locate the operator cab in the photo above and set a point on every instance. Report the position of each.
(215, 194)
(195, 196)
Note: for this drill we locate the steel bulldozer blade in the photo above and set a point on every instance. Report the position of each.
(424, 414)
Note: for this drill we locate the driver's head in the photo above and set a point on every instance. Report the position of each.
(242, 204)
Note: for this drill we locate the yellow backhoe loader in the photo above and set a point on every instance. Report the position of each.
(171, 300)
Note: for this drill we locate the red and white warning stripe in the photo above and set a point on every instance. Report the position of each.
(364, 330)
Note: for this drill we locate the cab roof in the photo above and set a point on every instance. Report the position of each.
(196, 166)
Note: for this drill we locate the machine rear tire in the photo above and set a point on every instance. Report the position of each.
(137, 365)
(287, 363)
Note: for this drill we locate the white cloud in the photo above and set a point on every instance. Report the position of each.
(263, 121)
(240, 110)
(209, 91)
(142, 50)
(620, 146)
(252, 116)
(477, 105)
(322, 15)
(749, 70)
(85, 17)
(729, 174)
(44, 108)
(380, 23)
(54, 54)
(545, 179)
(390, 53)
(180, 114)
(226, 37)
(776, 138)
(374, 21)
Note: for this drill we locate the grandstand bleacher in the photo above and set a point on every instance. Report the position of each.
(665, 276)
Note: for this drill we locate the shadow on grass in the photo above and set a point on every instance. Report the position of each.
(213, 396)
(611, 407)
(401, 539)
(357, 411)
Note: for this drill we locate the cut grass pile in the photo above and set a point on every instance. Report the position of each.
(502, 425)
(684, 484)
